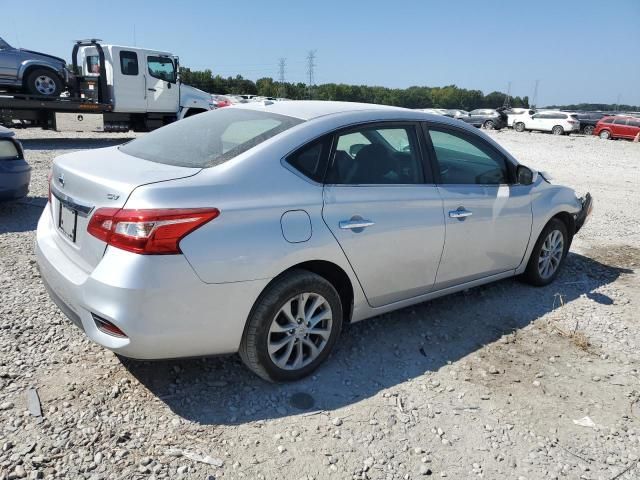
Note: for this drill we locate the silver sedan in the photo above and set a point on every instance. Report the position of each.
(264, 228)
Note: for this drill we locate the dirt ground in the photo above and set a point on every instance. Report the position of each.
(502, 381)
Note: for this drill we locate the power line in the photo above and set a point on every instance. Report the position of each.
(282, 63)
(534, 104)
(311, 65)
(507, 98)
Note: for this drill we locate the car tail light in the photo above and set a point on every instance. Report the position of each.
(148, 231)
(50, 178)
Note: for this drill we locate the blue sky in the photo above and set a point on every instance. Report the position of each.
(580, 51)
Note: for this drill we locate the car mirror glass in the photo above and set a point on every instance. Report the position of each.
(524, 175)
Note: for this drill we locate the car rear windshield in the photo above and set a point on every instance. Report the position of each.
(209, 139)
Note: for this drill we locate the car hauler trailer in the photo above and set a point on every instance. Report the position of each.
(112, 88)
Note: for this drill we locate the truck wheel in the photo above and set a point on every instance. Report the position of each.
(44, 82)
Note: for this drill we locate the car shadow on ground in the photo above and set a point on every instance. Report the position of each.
(371, 355)
(71, 143)
(21, 215)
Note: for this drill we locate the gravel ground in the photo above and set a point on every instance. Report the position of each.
(502, 381)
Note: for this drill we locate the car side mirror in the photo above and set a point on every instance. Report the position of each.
(524, 175)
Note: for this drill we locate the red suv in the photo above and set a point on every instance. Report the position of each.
(617, 127)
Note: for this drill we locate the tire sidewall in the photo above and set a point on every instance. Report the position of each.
(532, 273)
(269, 306)
(605, 135)
(520, 127)
(41, 71)
(557, 130)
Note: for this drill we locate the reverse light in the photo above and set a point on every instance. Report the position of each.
(148, 231)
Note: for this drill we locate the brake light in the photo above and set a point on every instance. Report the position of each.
(148, 231)
(49, 178)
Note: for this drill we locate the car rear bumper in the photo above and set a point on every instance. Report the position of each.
(160, 304)
(15, 176)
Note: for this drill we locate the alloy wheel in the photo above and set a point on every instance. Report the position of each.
(45, 85)
(300, 330)
(588, 130)
(605, 135)
(488, 125)
(551, 254)
(557, 130)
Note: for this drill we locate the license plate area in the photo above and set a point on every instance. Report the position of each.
(68, 222)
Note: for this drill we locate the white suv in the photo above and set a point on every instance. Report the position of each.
(516, 114)
(555, 122)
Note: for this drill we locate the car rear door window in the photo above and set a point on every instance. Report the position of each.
(129, 63)
(634, 123)
(465, 161)
(620, 121)
(377, 156)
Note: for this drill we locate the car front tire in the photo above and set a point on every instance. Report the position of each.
(605, 134)
(548, 255)
(292, 328)
(44, 82)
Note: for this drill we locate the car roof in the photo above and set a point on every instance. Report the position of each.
(310, 109)
(5, 132)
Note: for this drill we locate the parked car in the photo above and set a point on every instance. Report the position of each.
(618, 127)
(455, 113)
(589, 120)
(32, 72)
(15, 172)
(433, 111)
(558, 123)
(220, 101)
(514, 114)
(486, 118)
(263, 228)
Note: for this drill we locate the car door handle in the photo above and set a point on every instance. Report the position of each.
(460, 213)
(151, 89)
(354, 224)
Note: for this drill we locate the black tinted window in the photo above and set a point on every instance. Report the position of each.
(377, 156)
(129, 63)
(620, 121)
(210, 138)
(634, 123)
(607, 120)
(309, 160)
(462, 160)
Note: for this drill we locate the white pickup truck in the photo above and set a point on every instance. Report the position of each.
(111, 88)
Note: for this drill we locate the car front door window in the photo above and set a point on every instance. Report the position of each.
(464, 162)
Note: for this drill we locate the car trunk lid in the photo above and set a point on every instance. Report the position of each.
(82, 182)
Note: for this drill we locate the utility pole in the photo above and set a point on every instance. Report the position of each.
(282, 91)
(617, 103)
(534, 104)
(311, 65)
(507, 99)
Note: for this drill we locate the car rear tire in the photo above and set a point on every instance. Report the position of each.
(292, 327)
(44, 82)
(489, 125)
(519, 127)
(557, 130)
(605, 134)
(588, 130)
(548, 254)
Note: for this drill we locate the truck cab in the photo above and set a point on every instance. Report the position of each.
(140, 80)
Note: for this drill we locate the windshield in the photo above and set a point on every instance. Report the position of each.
(4, 45)
(209, 139)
